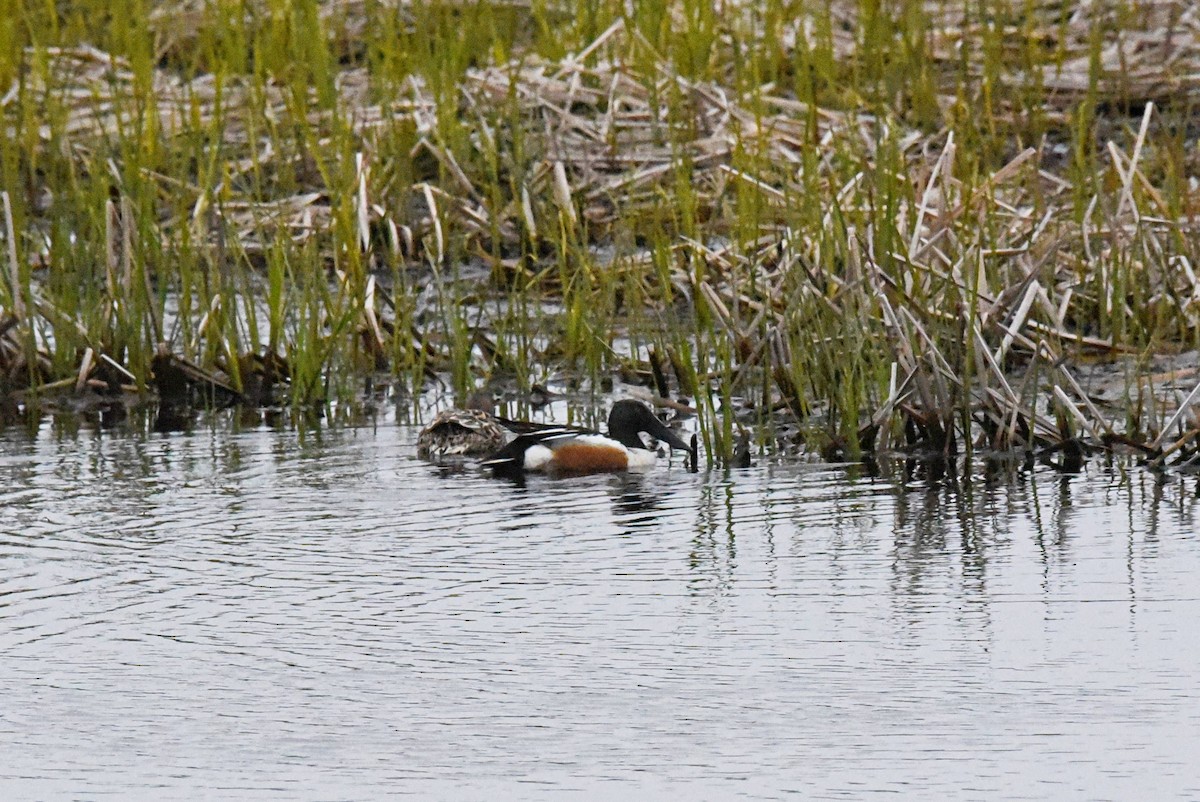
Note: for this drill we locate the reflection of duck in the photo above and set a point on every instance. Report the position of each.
(572, 451)
(635, 503)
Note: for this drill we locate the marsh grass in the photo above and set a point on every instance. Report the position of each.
(859, 223)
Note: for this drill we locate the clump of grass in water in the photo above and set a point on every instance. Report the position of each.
(751, 129)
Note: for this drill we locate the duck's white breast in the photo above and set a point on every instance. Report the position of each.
(640, 458)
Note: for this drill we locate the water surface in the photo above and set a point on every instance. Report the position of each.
(249, 613)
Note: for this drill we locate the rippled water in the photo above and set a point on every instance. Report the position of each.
(235, 614)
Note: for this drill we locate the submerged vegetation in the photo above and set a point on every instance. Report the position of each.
(868, 224)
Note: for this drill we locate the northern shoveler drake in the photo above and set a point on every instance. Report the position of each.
(571, 451)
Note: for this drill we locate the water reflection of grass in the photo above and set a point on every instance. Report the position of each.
(880, 213)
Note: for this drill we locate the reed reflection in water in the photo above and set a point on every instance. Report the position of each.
(251, 613)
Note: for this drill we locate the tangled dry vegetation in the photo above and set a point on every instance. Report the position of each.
(912, 232)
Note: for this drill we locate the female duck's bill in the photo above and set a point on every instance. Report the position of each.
(574, 451)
